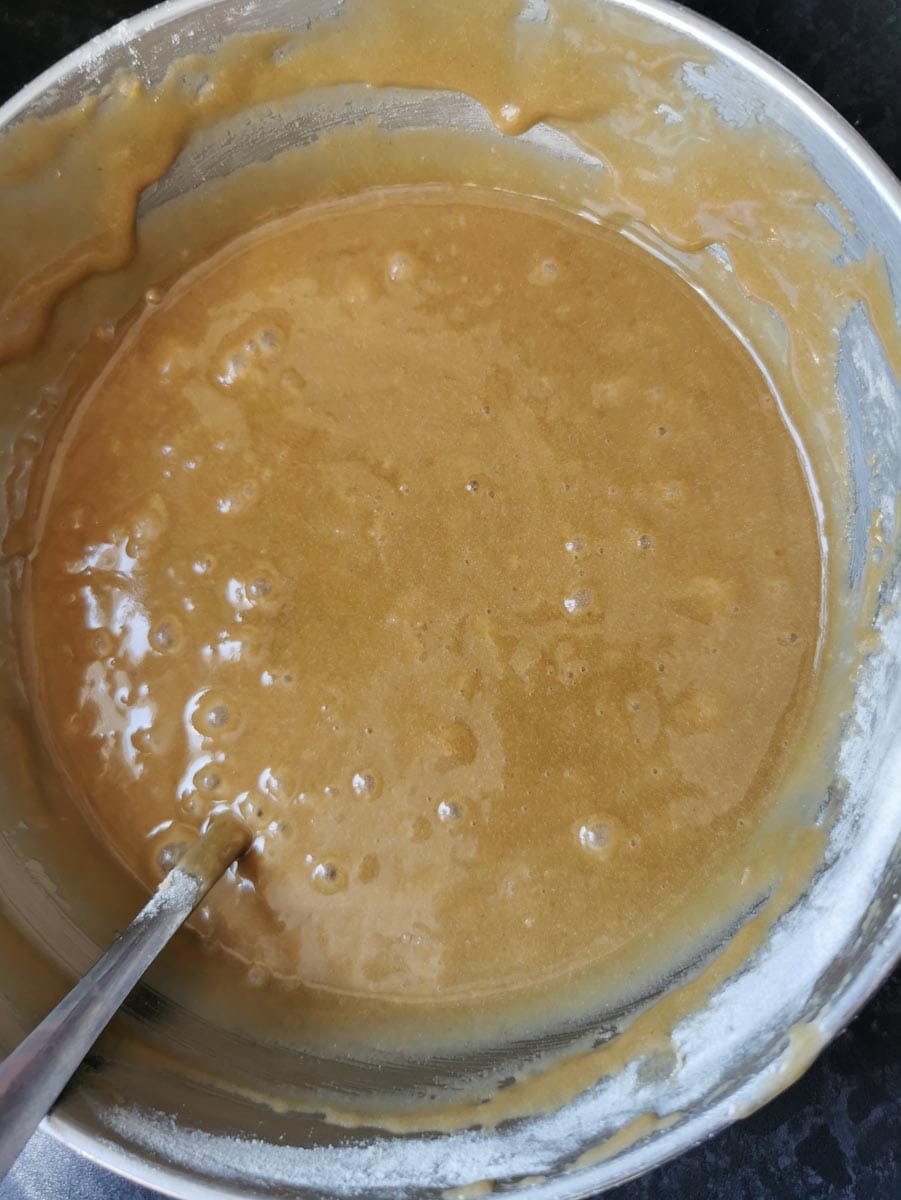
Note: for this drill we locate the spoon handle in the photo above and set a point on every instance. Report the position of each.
(33, 1076)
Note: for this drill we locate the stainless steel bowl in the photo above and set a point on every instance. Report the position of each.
(821, 960)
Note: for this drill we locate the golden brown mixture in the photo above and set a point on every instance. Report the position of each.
(457, 544)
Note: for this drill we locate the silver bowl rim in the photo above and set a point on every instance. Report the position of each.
(884, 953)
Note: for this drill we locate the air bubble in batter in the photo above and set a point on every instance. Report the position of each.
(166, 637)
(452, 811)
(401, 267)
(215, 716)
(367, 783)
(328, 878)
(578, 602)
(596, 836)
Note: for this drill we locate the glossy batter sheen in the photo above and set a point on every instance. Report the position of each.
(456, 543)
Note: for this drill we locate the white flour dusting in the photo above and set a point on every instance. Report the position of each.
(178, 893)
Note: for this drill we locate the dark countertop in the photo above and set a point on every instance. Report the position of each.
(836, 1134)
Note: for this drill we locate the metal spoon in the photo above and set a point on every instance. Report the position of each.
(33, 1076)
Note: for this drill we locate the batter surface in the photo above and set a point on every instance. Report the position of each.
(456, 543)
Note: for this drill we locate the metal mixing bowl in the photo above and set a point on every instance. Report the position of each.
(820, 962)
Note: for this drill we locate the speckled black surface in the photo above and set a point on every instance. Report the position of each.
(836, 1134)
